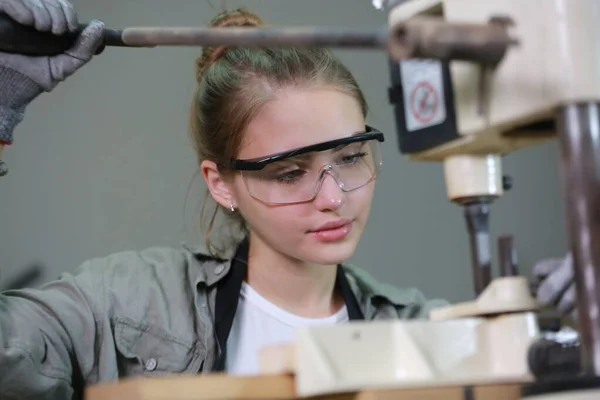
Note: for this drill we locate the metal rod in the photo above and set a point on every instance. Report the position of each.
(477, 219)
(419, 37)
(301, 36)
(508, 256)
(434, 37)
(579, 133)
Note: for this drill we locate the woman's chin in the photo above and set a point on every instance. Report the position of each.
(330, 253)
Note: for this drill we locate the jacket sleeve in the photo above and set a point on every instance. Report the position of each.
(420, 309)
(48, 336)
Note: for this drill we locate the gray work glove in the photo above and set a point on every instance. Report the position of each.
(557, 285)
(23, 78)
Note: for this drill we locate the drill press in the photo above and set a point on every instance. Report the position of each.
(467, 116)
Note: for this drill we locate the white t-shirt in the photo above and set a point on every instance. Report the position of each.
(258, 323)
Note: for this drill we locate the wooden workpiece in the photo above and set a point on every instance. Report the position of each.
(280, 387)
(503, 295)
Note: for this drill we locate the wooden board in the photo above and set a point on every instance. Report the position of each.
(280, 387)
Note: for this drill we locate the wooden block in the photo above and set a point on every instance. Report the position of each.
(491, 392)
(200, 387)
(508, 294)
(277, 360)
(280, 387)
(413, 354)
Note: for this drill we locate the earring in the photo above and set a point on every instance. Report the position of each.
(231, 207)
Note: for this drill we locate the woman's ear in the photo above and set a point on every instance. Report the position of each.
(216, 184)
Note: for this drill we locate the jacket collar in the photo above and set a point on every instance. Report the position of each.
(210, 271)
(216, 271)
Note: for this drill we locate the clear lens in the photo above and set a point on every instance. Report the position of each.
(298, 179)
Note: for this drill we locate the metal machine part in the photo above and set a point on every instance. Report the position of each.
(570, 368)
(423, 96)
(507, 255)
(555, 360)
(579, 132)
(423, 99)
(555, 356)
(477, 218)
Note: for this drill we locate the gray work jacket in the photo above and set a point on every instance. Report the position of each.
(143, 313)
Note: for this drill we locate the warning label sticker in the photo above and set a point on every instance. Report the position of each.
(423, 88)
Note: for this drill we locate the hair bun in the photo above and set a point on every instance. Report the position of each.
(240, 17)
(237, 17)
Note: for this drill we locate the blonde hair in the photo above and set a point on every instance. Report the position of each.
(234, 83)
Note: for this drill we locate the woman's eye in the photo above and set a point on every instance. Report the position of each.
(290, 176)
(353, 158)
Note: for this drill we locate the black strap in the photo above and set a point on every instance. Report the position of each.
(228, 294)
(354, 311)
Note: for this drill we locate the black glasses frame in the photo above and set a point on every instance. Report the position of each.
(256, 164)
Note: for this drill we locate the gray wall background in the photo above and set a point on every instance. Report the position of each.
(103, 163)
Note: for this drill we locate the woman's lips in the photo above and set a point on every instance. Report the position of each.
(333, 231)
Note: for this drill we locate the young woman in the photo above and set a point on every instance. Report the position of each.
(286, 154)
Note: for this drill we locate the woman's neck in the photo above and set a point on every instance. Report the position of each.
(304, 289)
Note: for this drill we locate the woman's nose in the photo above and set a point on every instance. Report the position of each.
(330, 195)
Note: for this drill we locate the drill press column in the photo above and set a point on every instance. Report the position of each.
(579, 133)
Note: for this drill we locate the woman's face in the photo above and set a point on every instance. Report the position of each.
(326, 229)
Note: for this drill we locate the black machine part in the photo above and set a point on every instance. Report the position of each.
(555, 356)
(26, 40)
(477, 215)
(404, 92)
(556, 363)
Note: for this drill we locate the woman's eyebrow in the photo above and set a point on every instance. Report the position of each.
(342, 146)
(284, 163)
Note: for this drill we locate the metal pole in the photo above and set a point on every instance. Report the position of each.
(579, 131)
(477, 215)
(419, 37)
(376, 38)
(507, 254)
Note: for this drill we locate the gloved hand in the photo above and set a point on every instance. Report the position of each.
(23, 78)
(557, 285)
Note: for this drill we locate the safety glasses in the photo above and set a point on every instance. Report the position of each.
(296, 176)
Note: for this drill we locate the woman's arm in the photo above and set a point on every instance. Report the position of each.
(49, 337)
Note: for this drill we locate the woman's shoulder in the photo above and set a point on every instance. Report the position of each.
(153, 295)
(404, 302)
(163, 262)
(148, 284)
